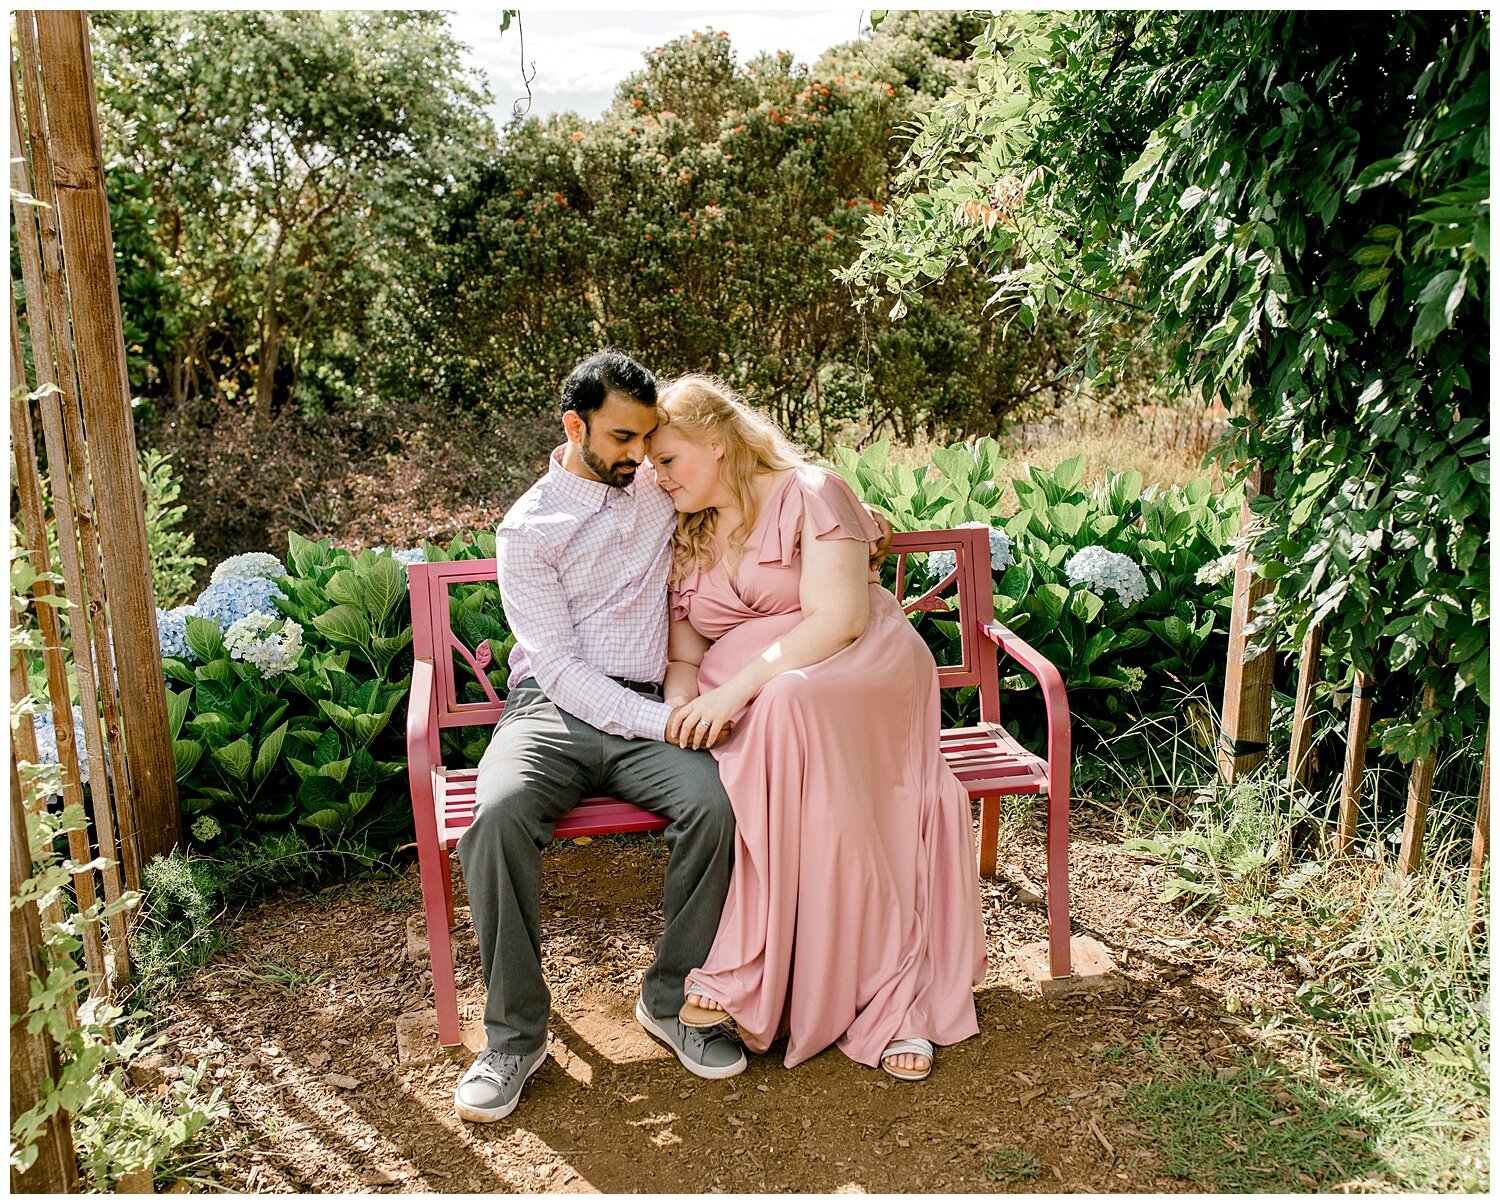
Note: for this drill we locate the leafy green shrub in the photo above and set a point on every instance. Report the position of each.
(173, 565)
(1117, 656)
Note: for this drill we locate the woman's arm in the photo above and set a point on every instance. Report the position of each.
(835, 598)
(685, 651)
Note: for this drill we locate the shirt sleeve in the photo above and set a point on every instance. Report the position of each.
(536, 610)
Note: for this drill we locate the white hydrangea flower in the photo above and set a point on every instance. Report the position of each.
(1217, 571)
(249, 564)
(1001, 550)
(410, 556)
(1002, 553)
(206, 828)
(272, 645)
(1100, 569)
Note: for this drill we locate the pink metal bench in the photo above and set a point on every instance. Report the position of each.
(988, 761)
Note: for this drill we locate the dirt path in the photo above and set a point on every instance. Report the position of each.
(298, 1021)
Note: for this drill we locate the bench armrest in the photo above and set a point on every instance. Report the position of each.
(1054, 693)
(423, 752)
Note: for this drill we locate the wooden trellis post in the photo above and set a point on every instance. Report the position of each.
(1246, 719)
(1354, 762)
(1481, 839)
(73, 318)
(1307, 679)
(33, 1058)
(1418, 795)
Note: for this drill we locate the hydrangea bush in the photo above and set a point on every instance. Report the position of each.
(1101, 579)
(230, 599)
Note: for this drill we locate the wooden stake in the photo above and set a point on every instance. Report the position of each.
(1418, 795)
(1246, 719)
(1307, 679)
(1354, 762)
(67, 453)
(33, 1057)
(83, 219)
(1481, 839)
(34, 526)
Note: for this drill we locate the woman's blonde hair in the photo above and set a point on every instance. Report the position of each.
(705, 408)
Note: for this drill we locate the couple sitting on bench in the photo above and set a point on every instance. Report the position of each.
(704, 636)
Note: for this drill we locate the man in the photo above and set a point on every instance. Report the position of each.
(582, 562)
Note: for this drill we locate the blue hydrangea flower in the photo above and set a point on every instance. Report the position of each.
(229, 600)
(171, 629)
(46, 739)
(1100, 569)
(405, 556)
(248, 564)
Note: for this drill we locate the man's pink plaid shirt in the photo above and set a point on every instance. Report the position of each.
(583, 578)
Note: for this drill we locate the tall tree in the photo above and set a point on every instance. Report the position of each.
(292, 158)
(1296, 207)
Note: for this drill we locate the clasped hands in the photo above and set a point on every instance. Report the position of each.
(703, 721)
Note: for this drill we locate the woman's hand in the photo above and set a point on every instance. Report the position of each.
(701, 722)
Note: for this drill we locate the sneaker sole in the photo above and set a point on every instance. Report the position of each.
(648, 1022)
(485, 1116)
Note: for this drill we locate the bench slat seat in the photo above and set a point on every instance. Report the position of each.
(986, 758)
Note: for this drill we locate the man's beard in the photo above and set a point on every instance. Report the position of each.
(619, 475)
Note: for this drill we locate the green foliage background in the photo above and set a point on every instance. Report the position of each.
(1294, 207)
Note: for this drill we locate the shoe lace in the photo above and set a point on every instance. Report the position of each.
(496, 1066)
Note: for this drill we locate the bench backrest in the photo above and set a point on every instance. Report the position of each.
(965, 596)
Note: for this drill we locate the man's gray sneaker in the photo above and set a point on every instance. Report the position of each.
(491, 1087)
(710, 1053)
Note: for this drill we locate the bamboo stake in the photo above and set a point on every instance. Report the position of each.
(34, 525)
(1418, 795)
(1481, 839)
(1354, 762)
(33, 1058)
(84, 581)
(1246, 716)
(1307, 679)
(83, 219)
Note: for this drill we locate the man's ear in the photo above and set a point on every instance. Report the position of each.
(575, 427)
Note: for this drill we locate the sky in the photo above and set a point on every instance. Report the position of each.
(580, 55)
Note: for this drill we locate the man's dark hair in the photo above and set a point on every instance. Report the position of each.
(603, 373)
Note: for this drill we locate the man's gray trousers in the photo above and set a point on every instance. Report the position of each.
(539, 764)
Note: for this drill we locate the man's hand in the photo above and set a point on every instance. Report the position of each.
(882, 547)
(706, 720)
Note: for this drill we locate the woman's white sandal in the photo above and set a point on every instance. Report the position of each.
(693, 1016)
(906, 1045)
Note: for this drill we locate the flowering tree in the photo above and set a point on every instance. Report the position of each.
(699, 224)
(1294, 206)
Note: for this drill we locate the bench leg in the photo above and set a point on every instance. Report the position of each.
(1059, 924)
(989, 836)
(448, 885)
(436, 885)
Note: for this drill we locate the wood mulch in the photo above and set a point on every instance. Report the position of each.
(297, 1020)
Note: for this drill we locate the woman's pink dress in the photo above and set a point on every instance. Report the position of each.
(853, 912)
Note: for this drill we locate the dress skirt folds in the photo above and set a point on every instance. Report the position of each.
(853, 914)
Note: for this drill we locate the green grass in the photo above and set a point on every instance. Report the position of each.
(1392, 984)
(1010, 1166)
(1261, 1130)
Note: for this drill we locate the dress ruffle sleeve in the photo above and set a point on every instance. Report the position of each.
(821, 503)
(680, 596)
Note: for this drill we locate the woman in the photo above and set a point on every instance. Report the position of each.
(853, 913)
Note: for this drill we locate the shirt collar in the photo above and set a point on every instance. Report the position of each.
(581, 490)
